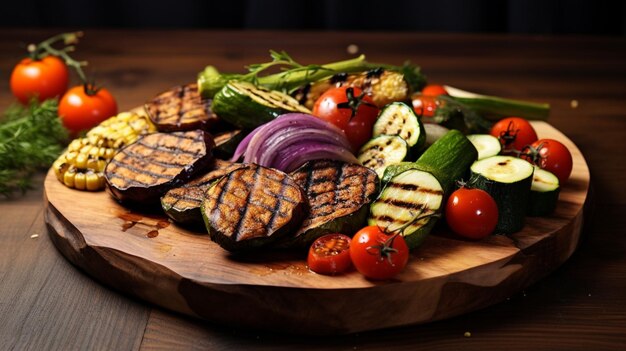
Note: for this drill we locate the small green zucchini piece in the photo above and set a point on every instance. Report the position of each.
(382, 151)
(508, 180)
(406, 197)
(544, 193)
(487, 145)
(247, 106)
(399, 119)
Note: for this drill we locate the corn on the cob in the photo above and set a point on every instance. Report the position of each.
(82, 165)
(382, 85)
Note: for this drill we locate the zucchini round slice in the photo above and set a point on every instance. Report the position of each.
(486, 145)
(544, 193)
(247, 106)
(383, 151)
(408, 195)
(399, 119)
(507, 179)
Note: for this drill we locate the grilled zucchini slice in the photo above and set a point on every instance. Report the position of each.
(487, 145)
(399, 119)
(418, 189)
(253, 207)
(247, 106)
(383, 151)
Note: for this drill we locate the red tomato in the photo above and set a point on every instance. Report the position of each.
(434, 90)
(349, 109)
(80, 110)
(424, 105)
(514, 133)
(552, 156)
(43, 79)
(378, 255)
(471, 213)
(330, 254)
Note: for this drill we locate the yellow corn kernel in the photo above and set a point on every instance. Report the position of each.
(79, 181)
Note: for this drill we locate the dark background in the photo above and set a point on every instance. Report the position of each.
(599, 17)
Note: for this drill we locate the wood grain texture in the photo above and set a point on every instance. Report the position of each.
(581, 306)
(143, 255)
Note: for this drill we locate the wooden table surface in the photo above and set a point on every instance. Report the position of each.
(46, 303)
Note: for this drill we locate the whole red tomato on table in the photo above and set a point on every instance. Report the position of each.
(83, 107)
(350, 110)
(43, 78)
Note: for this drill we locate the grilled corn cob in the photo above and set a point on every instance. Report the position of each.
(82, 165)
(382, 85)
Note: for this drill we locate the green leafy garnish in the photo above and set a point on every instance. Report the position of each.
(31, 138)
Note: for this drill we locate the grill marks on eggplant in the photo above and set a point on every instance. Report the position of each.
(191, 195)
(143, 171)
(181, 108)
(335, 190)
(253, 206)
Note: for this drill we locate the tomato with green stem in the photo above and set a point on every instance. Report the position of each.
(84, 106)
(514, 133)
(551, 155)
(330, 254)
(351, 110)
(379, 255)
(471, 213)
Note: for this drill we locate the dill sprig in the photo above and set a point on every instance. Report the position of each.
(31, 138)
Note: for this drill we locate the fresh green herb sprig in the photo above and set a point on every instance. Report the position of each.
(31, 138)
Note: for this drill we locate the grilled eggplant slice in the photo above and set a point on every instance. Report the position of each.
(182, 204)
(253, 207)
(181, 108)
(142, 172)
(339, 195)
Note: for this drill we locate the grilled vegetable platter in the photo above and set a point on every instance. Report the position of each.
(288, 200)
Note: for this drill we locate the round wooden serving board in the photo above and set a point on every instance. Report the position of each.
(160, 262)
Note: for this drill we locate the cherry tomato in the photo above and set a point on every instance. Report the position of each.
(424, 105)
(471, 213)
(44, 79)
(514, 133)
(81, 109)
(552, 156)
(330, 254)
(434, 90)
(349, 109)
(378, 255)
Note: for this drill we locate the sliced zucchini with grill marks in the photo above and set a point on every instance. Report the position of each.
(339, 194)
(253, 207)
(383, 151)
(487, 145)
(142, 172)
(508, 180)
(247, 106)
(544, 193)
(181, 108)
(399, 119)
(183, 204)
(407, 196)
